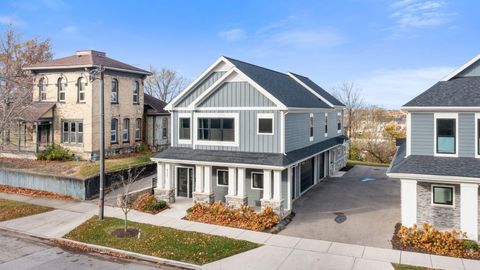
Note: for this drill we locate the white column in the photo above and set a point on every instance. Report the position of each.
(267, 184)
(277, 185)
(160, 175)
(207, 187)
(198, 178)
(168, 176)
(232, 181)
(469, 210)
(409, 202)
(241, 182)
(315, 169)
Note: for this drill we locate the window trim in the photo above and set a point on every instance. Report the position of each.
(270, 116)
(180, 116)
(440, 204)
(79, 82)
(42, 89)
(59, 83)
(128, 130)
(116, 131)
(445, 116)
(311, 127)
(477, 145)
(138, 129)
(117, 91)
(251, 180)
(228, 180)
(136, 86)
(236, 125)
(76, 122)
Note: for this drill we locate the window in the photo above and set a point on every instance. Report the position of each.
(72, 131)
(222, 178)
(311, 126)
(113, 131)
(216, 129)
(114, 98)
(442, 195)
(326, 125)
(257, 180)
(184, 132)
(339, 122)
(61, 89)
(136, 87)
(165, 128)
(265, 124)
(81, 89)
(42, 89)
(478, 136)
(446, 136)
(138, 129)
(126, 130)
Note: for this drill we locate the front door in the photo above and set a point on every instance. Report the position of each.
(184, 182)
(44, 136)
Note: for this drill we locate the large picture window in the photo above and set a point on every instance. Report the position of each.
(446, 136)
(184, 129)
(216, 129)
(72, 132)
(442, 195)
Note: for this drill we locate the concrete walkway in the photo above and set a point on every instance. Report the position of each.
(277, 252)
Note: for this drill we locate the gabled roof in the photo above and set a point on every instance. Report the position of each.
(280, 85)
(86, 59)
(153, 106)
(457, 92)
(315, 87)
(36, 111)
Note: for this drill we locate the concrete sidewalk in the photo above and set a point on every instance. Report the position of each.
(277, 252)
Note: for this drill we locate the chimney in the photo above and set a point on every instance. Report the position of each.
(90, 52)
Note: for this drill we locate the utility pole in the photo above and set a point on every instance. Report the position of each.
(100, 70)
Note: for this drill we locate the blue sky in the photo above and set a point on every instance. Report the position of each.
(392, 50)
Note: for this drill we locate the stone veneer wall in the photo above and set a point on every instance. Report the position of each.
(441, 217)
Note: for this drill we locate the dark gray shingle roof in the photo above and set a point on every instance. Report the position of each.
(153, 106)
(461, 92)
(430, 165)
(268, 159)
(315, 87)
(281, 86)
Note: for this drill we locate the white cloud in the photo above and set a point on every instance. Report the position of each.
(232, 35)
(394, 87)
(70, 29)
(10, 19)
(305, 38)
(419, 14)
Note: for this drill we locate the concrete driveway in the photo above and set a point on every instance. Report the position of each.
(371, 208)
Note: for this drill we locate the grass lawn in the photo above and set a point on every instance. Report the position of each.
(185, 246)
(409, 267)
(355, 162)
(14, 209)
(92, 168)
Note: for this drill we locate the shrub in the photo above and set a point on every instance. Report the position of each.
(142, 148)
(148, 203)
(430, 240)
(159, 205)
(55, 152)
(244, 217)
(469, 245)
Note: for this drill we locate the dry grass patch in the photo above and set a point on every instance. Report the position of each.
(34, 193)
(13, 209)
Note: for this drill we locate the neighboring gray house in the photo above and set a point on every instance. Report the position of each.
(244, 134)
(157, 123)
(439, 164)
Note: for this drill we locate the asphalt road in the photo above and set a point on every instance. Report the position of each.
(369, 209)
(19, 253)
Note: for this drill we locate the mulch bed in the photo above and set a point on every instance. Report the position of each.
(130, 232)
(34, 193)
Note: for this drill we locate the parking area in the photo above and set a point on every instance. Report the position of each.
(361, 207)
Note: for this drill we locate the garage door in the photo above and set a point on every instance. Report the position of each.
(306, 179)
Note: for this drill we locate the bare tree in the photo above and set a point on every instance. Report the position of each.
(124, 199)
(164, 84)
(351, 96)
(16, 84)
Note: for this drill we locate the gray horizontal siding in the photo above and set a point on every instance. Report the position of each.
(207, 82)
(471, 71)
(422, 134)
(237, 94)
(466, 135)
(297, 131)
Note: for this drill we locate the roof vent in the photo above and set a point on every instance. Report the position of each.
(90, 52)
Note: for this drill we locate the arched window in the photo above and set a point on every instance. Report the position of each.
(61, 89)
(136, 88)
(114, 91)
(81, 89)
(42, 89)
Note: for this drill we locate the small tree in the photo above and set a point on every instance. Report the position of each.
(164, 84)
(124, 199)
(350, 95)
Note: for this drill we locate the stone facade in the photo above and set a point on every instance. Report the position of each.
(236, 201)
(167, 195)
(277, 206)
(441, 217)
(203, 198)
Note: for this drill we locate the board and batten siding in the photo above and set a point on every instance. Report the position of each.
(466, 135)
(471, 71)
(237, 94)
(204, 85)
(422, 134)
(297, 129)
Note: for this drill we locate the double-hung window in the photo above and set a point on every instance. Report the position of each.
(339, 122)
(72, 132)
(184, 129)
(42, 88)
(165, 128)
(442, 195)
(114, 131)
(138, 129)
(114, 95)
(446, 135)
(126, 130)
(61, 90)
(311, 127)
(216, 129)
(326, 124)
(136, 92)
(81, 89)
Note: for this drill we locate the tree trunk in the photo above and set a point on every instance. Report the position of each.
(125, 221)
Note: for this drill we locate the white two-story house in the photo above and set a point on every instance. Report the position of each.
(244, 134)
(439, 165)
